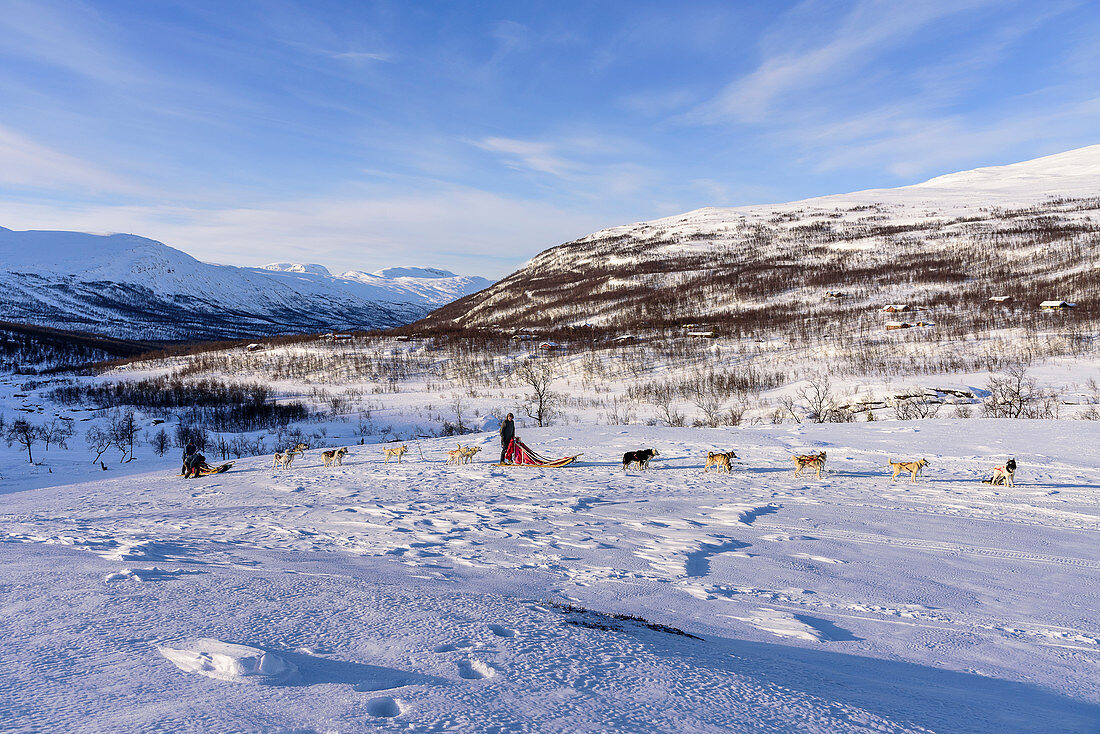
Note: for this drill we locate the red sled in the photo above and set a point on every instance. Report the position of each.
(518, 454)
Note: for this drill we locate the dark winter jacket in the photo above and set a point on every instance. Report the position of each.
(190, 450)
(507, 431)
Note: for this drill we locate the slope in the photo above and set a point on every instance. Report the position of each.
(1027, 229)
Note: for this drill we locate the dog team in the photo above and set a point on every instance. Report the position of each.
(333, 457)
(1003, 475)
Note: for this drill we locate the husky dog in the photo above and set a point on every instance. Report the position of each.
(1005, 475)
(814, 461)
(913, 467)
(468, 453)
(719, 461)
(300, 448)
(397, 451)
(455, 456)
(282, 460)
(334, 457)
(641, 458)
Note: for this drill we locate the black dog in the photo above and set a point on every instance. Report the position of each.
(641, 458)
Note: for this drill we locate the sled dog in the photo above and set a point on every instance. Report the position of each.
(455, 456)
(813, 461)
(282, 460)
(397, 451)
(335, 457)
(468, 453)
(719, 461)
(641, 458)
(913, 467)
(1005, 475)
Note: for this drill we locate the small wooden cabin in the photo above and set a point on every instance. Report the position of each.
(1056, 305)
(1000, 299)
(895, 308)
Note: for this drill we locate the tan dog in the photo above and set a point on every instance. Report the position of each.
(913, 467)
(398, 451)
(814, 461)
(719, 461)
(334, 457)
(455, 456)
(300, 448)
(282, 460)
(468, 453)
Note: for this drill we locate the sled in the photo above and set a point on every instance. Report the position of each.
(520, 455)
(207, 470)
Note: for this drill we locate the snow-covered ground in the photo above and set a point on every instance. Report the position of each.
(427, 597)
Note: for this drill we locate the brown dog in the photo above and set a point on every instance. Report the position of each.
(814, 461)
(719, 461)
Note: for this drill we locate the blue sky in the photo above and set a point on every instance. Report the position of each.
(473, 135)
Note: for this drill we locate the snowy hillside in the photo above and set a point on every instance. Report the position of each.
(140, 288)
(1030, 230)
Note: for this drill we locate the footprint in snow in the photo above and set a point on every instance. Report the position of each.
(500, 631)
(385, 706)
(452, 646)
(474, 670)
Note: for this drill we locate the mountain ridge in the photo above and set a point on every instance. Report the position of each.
(1026, 228)
(132, 285)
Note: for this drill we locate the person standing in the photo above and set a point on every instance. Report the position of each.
(188, 452)
(507, 433)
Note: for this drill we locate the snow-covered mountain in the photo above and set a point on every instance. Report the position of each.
(125, 285)
(1031, 230)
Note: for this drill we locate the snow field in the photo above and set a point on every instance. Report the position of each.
(418, 596)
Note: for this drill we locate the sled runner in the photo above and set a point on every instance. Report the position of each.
(518, 454)
(207, 470)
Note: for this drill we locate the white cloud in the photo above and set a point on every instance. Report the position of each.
(785, 74)
(26, 163)
(912, 146)
(72, 37)
(529, 154)
(360, 56)
(466, 230)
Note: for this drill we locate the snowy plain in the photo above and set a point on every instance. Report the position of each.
(425, 597)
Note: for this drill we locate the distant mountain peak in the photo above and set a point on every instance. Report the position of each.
(311, 268)
(413, 272)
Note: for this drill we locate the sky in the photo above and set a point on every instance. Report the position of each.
(473, 135)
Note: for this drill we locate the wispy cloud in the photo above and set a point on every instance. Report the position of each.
(27, 164)
(913, 146)
(360, 56)
(467, 230)
(529, 154)
(868, 27)
(73, 38)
